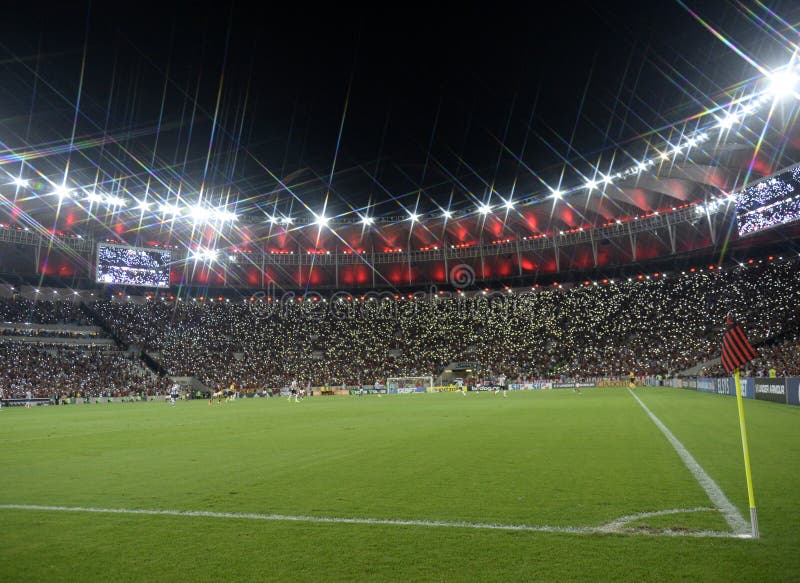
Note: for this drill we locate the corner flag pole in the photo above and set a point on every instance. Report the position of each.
(746, 451)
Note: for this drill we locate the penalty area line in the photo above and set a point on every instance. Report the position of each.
(613, 527)
(732, 516)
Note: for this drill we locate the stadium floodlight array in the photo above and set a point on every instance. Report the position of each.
(776, 85)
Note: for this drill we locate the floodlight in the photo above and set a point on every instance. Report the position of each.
(223, 215)
(21, 182)
(320, 220)
(413, 217)
(728, 121)
(204, 255)
(170, 209)
(365, 220)
(782, 84)
(200, 214)
(484, 209)
(61, 191)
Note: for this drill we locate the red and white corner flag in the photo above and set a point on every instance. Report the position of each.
(736, 350)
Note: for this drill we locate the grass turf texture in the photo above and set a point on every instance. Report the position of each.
(537, 458)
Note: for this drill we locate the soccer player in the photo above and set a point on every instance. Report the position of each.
(174, 392)
(500, 386)
(460, 385)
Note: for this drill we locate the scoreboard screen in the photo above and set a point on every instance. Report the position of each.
(770, 203)
(120, 265)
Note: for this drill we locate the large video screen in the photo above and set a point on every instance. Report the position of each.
(132, 266)
(770, 203)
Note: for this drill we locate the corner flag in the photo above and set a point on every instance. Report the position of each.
(736, 350)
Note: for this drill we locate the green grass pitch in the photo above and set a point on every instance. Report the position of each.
(567, 463)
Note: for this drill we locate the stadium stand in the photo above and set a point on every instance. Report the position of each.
(653, 326)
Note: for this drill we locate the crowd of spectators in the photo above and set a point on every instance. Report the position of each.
(655, 326)
(20, 310)
(72, 333)
(44, 372)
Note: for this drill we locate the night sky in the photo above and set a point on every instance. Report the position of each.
(418, 104)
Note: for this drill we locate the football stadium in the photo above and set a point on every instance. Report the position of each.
(435, 293)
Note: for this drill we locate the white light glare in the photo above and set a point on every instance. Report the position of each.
(21, 182)
(484, 209)
(413, 217)
(143, 205)
(320, 220)
(223, 215)
(509, 204)
(170, 209)
(783, 84)
(557, 194)
(61, 191)
(728, 121)
(114, 201)
(200, 214)
(590, 184)
(367, 220)
(447, 214)
(204, 255)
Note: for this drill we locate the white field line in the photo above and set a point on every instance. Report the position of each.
(732, 515)
(616, 526)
